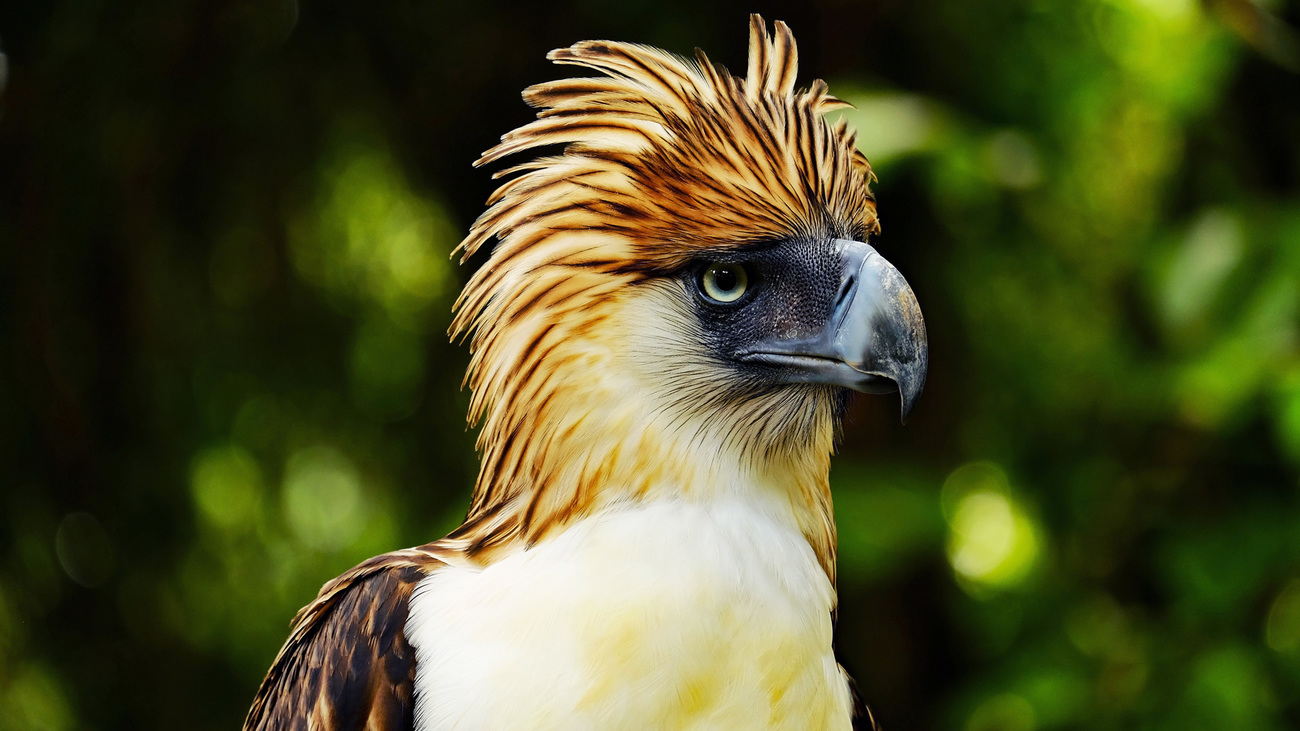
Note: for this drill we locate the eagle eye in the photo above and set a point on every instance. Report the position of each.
(724, 283)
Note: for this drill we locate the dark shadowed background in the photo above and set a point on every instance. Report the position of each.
(224, 374)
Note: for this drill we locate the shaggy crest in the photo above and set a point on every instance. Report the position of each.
(677, 157)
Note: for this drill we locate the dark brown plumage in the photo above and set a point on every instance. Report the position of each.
(347, 664)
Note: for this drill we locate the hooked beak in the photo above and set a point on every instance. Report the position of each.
(874, 340)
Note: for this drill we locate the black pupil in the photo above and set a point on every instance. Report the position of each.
(725, 278)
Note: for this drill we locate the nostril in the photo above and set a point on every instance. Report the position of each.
(846, 290)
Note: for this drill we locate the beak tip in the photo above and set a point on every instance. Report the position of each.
(907, 402)
(910, 385)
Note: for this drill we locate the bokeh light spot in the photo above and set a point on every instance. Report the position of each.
(34, 699)
(992, 540)
(891, 125)
(322, 498)
(370, 238)
(1282, 629)
(1003, 712)
(227, 485)
(1012, 160)
(1212, 248)
(1175, 12)
(1229, 687)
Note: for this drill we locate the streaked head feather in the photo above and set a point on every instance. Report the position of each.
(678, 156)
(664, 160)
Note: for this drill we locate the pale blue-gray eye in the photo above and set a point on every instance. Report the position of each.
(724, 282)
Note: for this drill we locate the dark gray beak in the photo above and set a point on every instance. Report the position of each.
(874, 340)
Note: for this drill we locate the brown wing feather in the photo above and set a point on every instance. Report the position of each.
(863, 720)
(347, 664)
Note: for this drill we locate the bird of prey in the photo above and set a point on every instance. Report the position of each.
(663, 342)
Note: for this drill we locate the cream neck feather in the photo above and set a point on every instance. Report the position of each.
(613, 399)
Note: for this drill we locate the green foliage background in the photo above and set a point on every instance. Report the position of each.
(224, 376)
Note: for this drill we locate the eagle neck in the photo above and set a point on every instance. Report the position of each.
(552, 467)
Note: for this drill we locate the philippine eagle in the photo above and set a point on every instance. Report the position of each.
(664, 339)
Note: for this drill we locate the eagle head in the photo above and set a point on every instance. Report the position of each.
(681, 297)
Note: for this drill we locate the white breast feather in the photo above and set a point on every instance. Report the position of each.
(663, 615)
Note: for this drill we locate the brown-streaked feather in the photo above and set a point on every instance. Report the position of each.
(347, 665)
(786, 62)
(759, 58)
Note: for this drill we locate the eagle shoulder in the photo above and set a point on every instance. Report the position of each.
(347, 663)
